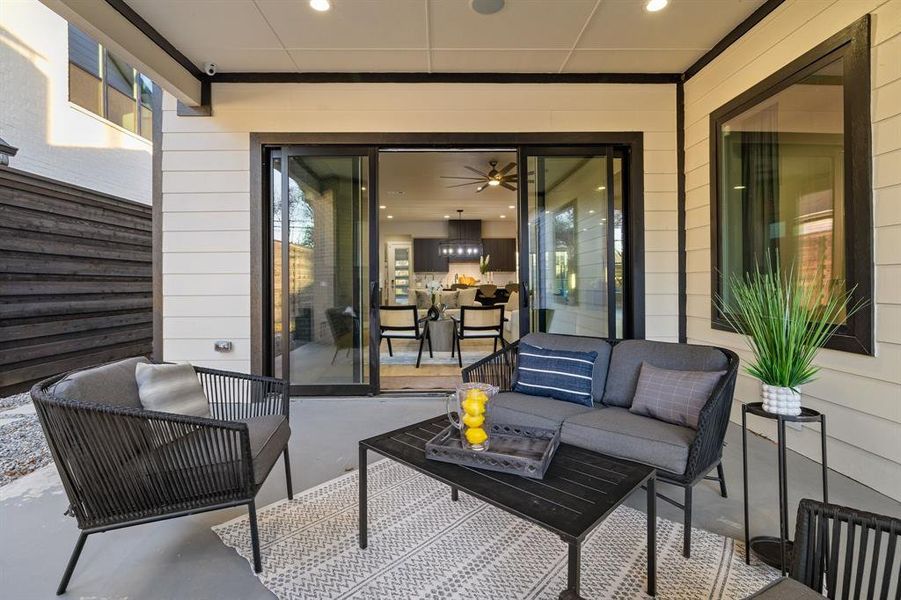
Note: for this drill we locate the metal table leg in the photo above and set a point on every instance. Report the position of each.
(455, 494)
(362, 508)
(652, 536)
(744, 471)
(783, 492)
(573, 572)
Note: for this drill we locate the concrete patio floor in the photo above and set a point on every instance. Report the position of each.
(184, 559)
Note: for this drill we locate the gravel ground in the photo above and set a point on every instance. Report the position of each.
(22, 445)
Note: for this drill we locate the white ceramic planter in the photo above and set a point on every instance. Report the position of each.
(781, 400)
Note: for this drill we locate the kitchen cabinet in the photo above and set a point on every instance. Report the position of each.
(502, 252)
(426, 258)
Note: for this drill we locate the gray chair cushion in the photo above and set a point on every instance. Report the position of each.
(554, 341)
(513, 408)
(618, 432)
(673, 396)
(171, 389)
(786, 589)
(627, 356)
(112, 384)
(268, 437)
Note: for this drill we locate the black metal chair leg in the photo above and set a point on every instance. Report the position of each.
(686, 540)
(254, 537)
(419, 355)
(67, 574)
(288, 475)
(459, 353)
(390, 350)
(335, 355)
(429, 335)
(720, 472)
(495, 345)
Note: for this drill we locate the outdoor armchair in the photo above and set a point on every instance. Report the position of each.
(122, 465)
(842, 553)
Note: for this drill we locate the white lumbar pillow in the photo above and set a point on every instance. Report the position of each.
(171, 389)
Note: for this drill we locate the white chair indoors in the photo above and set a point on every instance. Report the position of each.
(403, 323)
(479, 322)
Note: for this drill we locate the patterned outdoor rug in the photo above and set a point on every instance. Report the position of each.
(422, 545)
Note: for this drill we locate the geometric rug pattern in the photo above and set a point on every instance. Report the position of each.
(424, 546)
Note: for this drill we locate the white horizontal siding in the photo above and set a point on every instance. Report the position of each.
(206, 179)
(860, 395)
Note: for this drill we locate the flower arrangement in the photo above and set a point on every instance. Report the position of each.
(433, 287)
(483, 263)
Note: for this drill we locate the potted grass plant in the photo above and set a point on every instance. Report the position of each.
(786, 320)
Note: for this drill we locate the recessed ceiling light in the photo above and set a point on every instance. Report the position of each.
(390, 216)
(503, 216)
(323, 5)
(512, 206)
(486, 7)
(655, 5)
(363, 188)
(447, 216)
(601, 188)
(738, 187)
(591, 212)
(382, 206)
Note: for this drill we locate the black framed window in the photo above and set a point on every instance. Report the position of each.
(108, 86)
(790, 178)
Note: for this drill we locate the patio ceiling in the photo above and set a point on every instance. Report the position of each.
(526, 36)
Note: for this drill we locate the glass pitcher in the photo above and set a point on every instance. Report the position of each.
(466, 410)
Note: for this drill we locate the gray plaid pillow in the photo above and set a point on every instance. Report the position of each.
(673, 396)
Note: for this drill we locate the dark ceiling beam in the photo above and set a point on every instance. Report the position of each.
(446, 77)
(733, 36)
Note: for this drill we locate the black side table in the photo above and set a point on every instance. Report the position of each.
(776, 551)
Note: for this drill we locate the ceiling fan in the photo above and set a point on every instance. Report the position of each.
(493, 177)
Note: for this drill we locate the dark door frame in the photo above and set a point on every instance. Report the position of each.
(631, 142)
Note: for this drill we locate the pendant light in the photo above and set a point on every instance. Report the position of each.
(459, 246)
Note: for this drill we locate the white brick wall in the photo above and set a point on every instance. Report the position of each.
(57, 139)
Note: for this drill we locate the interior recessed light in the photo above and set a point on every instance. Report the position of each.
(390, 216)
(503, 216)
(512, 206)
(323, 5)
(601, 188)
(447, 216)
(363, 188)
(655, 5)
(382, 206)
(591, 212)
(738, 187)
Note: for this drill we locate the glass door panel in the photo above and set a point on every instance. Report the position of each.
(576, 242)
(321, 260)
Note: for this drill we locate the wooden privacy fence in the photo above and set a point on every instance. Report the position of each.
(76, 281)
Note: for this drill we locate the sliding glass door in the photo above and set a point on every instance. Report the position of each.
(575, 230)
(322, 268)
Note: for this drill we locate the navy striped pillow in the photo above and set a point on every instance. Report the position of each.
(559, 374)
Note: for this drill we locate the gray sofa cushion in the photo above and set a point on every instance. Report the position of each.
(554, 341)
(112, 384)
(786, 589)
(171, 389)
(627, 356)
(673, 396)
(513, 408)
(268, 437)
(618, 432)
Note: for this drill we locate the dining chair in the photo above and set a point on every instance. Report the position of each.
(479, 322)
(404, 323)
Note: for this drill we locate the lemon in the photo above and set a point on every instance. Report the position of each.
(477, 395)
(472, 407)
(476, 435)
(473, 420)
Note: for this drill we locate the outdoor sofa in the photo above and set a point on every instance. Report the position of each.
(682, 455)
(123, 465)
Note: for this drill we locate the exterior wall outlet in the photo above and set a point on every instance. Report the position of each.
(223, 346)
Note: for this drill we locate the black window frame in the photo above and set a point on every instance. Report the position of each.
(105, 84)
(852, 45)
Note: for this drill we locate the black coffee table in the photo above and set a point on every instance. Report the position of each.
(578, 492)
